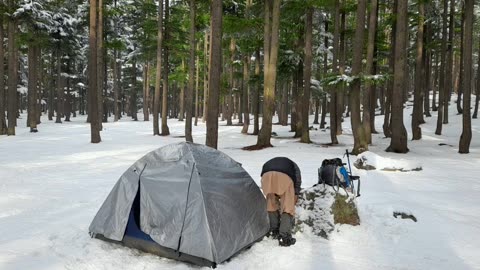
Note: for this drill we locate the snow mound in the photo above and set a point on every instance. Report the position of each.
(314, 212)
(372, 161)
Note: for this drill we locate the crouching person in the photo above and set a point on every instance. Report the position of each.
(281, 181)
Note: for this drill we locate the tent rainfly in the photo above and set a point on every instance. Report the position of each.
(187, 202)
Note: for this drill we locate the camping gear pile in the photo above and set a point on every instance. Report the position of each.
(193, 203)
(333, 173)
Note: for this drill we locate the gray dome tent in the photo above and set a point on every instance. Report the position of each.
(187, 202)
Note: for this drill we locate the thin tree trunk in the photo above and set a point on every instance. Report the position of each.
(369, 87)
(191, 76)
(133, 92)
(100, 62)
(116, 87)
(442, 102)
(68, 97)
(158, 73)
(146, 90)
(51, 93)
(12, 86)
(93, 85)
(461, 71)
(449, 64)
(324, 112)
(3, 122)
(32, 88)
(477, 93)
(298, 101)
(182, 96)
(60, 91)
(317, 112)
(417, 102)
(427, 67)
(165, 129)
(307, 75)
(197, 86)
(341, 65)
(229, 98)
(360, 140)
(435, 84)
(398, 143)
(205, 76)
(387, 131)
(215, 73)
(246, 93)
(466, 137)
(334, 96)
(256, 94)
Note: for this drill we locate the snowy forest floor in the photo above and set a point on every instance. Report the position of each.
(53, 182)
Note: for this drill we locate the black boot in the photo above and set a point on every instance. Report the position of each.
(285, 232)
(286, 240)
(274, 218)
(273, 234)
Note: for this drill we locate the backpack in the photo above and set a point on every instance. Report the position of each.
(333, 173)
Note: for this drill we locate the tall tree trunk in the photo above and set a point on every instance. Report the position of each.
(427, 66)
(60, 91)
(334, 95)
(133, 92)
(285, 90)
(197, 86)
(341, 66)
(68, 97)
(191, 75)
(229, 98)
(182, 96)
(466, 137)
(449, 63)
(146, 92)
(298, 100)
(206, 73)
(32, 88)
(435, 84)
(360, 140)
(92, 81)
(477, 92)
(246, 93)
(369, 87)
(12, 86)
(158, 73)
(442, 102)
(398, 143)
(307, 75)
(324, 112)
(100, 61)
(271, 45)
(116, 78)
(52, 87)
(215, 73)
(165, 129)
(256, 95)
(3, 122)
(387, 131)
(116, 86)
(461, 71)
(419, 76)
(317, 112)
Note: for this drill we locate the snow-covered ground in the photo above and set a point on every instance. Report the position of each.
(53, 182)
